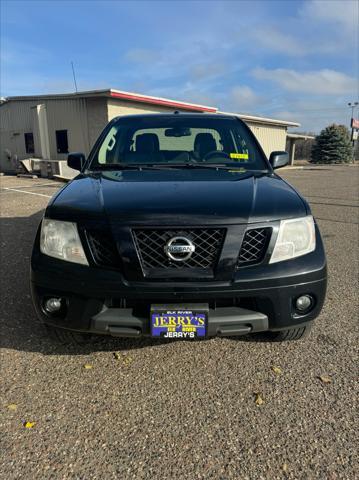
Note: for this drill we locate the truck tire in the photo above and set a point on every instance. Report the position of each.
(290, 334)
(67, 337)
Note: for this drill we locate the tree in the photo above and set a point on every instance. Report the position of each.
(333, 145)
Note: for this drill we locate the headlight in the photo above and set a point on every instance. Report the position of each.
(61, 240)
(296, 237)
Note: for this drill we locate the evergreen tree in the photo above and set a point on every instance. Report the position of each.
(333, 145)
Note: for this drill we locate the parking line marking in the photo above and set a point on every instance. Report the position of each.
(33, 186)
(24, 191)
(336, 221)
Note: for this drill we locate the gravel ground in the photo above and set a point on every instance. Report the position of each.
(182, 410)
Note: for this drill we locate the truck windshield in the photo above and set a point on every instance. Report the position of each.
(177, 141)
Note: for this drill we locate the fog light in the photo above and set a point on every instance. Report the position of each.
(53, 305)
(303, 303)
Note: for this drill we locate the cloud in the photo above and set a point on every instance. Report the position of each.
(180, 70)
(271, 38)
(202, 71)
(313, 123)
(142, 55)
(306, 51)
(319, 82)
(317, 27)
(17, 60)
(14, 53)
(313, 112)
(306, 42)
(243, 97)
(336, 12)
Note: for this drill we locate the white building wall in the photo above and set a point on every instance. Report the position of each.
(120, 107)
(41, 127)
(97, 119)
(20, 117)
(15, 121)
(271, 137)
(70, 115)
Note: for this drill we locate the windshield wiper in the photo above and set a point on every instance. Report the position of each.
(169, 166)
(126, 166)
(212, 166)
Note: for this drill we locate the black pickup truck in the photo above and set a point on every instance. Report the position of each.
(177, 227)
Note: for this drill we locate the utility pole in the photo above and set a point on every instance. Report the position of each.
(352, 105)
(354, 137)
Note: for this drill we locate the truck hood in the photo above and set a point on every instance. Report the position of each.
(174, 197)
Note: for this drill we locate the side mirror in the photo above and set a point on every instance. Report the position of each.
(76, 160)
(278, 159)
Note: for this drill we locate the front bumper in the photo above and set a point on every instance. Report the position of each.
(121, 322)
(257, 298)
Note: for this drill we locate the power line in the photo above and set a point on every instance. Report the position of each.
(320, 109)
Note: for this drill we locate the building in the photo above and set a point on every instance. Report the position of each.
(49, 126)
(270, 132)
(292, 138)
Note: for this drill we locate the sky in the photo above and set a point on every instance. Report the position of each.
(293, 60)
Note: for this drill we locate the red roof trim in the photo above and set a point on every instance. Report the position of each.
(159, 101)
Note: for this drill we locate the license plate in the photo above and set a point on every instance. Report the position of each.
(176, 321)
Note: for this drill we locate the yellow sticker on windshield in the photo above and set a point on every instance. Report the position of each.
(239, 156)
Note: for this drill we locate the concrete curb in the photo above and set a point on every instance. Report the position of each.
(60, 178)
(26, 175)
(293, 168)
(319, 167)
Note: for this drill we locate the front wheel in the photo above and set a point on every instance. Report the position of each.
(295, 333)
(67, 337)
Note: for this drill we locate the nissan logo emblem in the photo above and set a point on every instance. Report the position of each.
(179, 249)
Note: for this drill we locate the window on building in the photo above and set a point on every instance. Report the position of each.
(29, 142)
(62, 143)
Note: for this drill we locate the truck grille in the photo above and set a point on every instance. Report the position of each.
(103, 248)
(254, 246)
(151, 248)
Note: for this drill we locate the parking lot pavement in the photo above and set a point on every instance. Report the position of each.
(182, 410)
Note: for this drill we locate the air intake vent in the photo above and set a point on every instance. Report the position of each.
(254, 246)
(103, 248)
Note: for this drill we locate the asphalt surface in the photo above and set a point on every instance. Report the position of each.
(182, 410)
